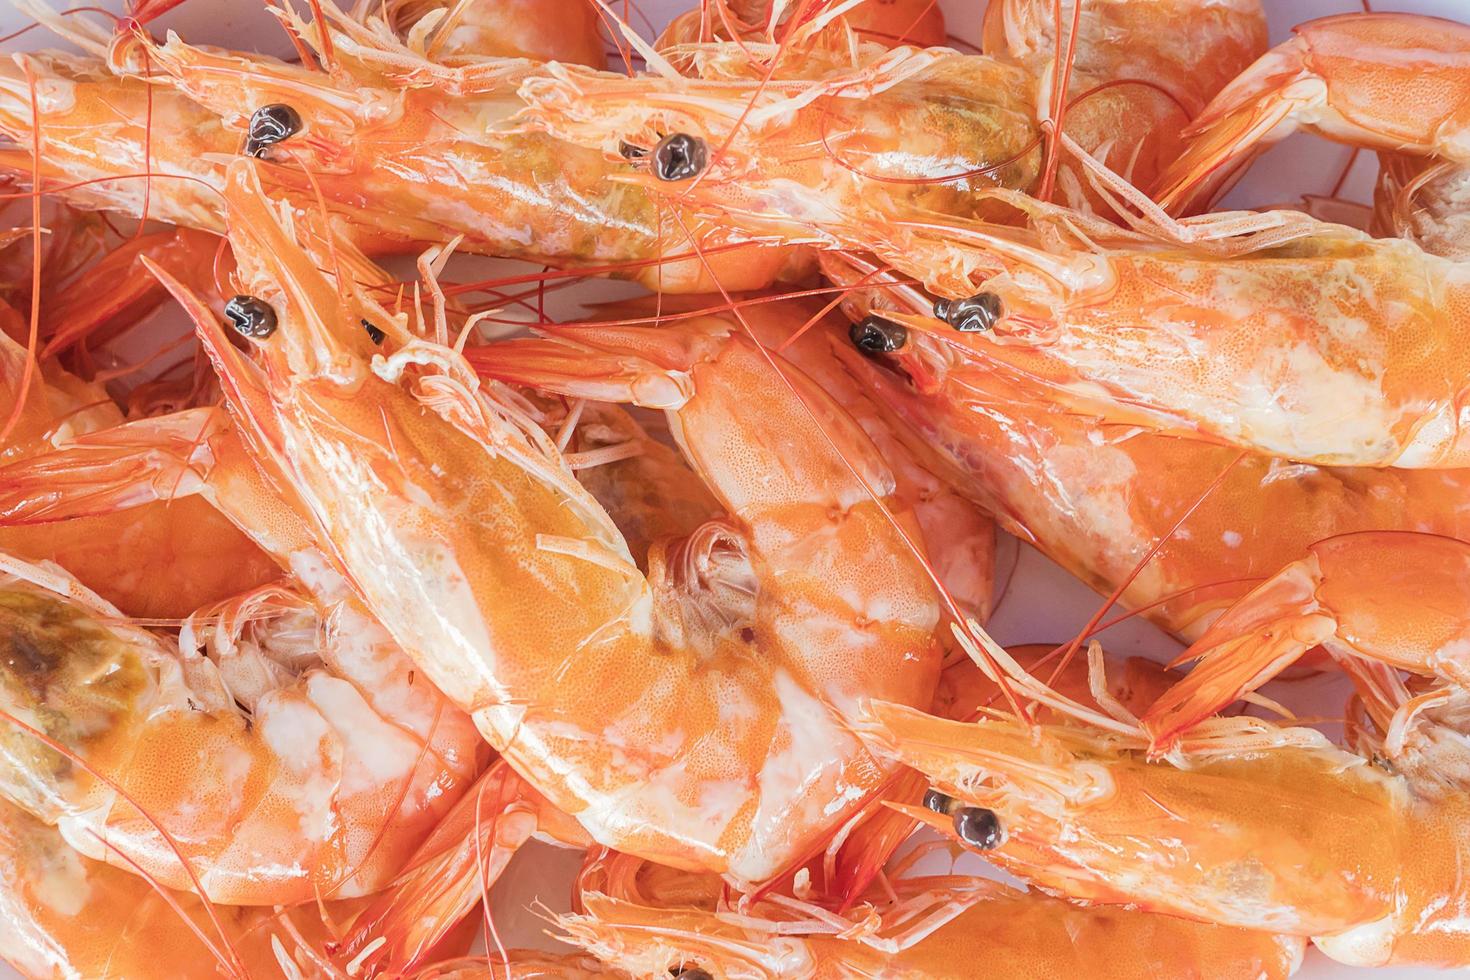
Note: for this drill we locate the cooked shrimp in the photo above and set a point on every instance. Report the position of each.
(101, 136)
(297, 760)
(1245, 824)
(965, 692)
(67, 917)
(954, 924)
(958, 537)
(874, 133)
(1097, 499)
(1390, 81)
(468, 537)
(1272, 332)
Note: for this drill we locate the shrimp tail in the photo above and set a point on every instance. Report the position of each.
(1257, 109)
(451, 872)
(115, 290)
(112, 470)
(1265, 633)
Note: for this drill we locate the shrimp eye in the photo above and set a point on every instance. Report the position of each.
(374, 334)
(938, 802)
(875, 335)
(251, 317)
(628, 151)
(269, 125)
(971, 314)
(978, 827)
(689, 973)
(679, 156)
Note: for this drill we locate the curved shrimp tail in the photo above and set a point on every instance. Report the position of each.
(116, 289)
(112, 470)
(1262, 635)
(452, 871)
(1260, 107)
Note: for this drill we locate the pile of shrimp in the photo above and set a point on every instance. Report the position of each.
(348, 546)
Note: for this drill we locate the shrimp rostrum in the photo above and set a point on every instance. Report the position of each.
(692, 715)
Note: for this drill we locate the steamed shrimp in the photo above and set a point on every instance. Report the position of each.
(1245, 823)
(1098, 498)
(921, 927)
(296, 759)
(958, 537)
(1273, 332)
(873, 134)
(405, 152)
(468, 538)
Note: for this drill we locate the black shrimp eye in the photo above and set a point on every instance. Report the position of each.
(875, 335)
(689, 973)
(938, 802)
(629, 151)
(679, 156)
(374, 334)
(251, 317)
(971, 314)
(269, 125)
(978, 827)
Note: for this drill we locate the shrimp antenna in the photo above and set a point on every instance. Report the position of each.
(1061, 78)
(32, 337)
(171, 900)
